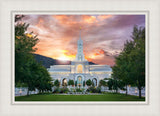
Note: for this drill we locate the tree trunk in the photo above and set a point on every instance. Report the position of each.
(139, 92)
(126, 91)
(28, 92)
(116, 90)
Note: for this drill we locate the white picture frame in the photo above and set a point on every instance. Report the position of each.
(150, 107)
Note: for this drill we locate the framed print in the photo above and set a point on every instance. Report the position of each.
(83, 58)
(78, 73)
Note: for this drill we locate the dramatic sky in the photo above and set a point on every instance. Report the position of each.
(103, 35)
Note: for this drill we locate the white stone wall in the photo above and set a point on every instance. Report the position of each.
(21, 91)
(74, 76)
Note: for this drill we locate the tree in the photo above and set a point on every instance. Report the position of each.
(93, 84)
(137, 58)
(75, 83)
(114, 84)
(43, 81)
(71, 82)
(89, 82)
(122, 67)
(18, 17)
(24, 43)
(102, 83)
(27, 69)
(84, 83)
(110, 83)
(56, 83)
(130, 64)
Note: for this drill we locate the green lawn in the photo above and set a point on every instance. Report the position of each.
(103, 97)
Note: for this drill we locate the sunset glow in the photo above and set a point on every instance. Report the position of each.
(103, 35)
(64, 58)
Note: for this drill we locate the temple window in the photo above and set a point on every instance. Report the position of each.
(79, 69)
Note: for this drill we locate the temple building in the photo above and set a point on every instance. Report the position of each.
(79, 70)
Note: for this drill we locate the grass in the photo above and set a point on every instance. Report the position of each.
(102, 97)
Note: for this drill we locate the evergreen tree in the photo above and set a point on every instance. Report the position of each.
(56, 83)
(75, 83)
(84, 83)
(89, 82)
(71, 82)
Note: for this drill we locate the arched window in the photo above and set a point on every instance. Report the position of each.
(79, 68)
(64, 82)
(79, 81)
(94, 82)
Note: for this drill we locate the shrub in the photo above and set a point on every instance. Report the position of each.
(78, 90)
(56, 90)
(94, 90)
(98, 89)
(64, 90)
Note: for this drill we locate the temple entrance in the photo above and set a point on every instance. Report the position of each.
(94, 82)
(79, 68)
(64, 82)
(79, 81)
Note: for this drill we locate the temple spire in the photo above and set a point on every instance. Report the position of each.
(80, 55)
(80, 32)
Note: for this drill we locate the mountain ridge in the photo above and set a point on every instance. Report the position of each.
(47, 61)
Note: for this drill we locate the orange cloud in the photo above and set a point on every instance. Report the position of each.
(88, 58)
(101, 51)
(103, 17)
(39, 24)
(96, 54)
(65, 19)
(89, 19)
